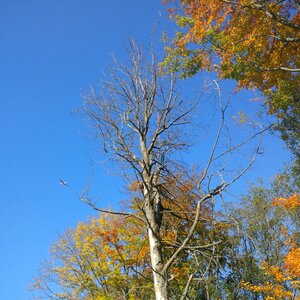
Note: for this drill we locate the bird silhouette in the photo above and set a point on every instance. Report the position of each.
(62, 182)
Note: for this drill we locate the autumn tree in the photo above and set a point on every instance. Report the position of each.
(264, 239)
(108, 256)
(256, 43)
(254, 249)
(282, 277)
(256, 237)
(197, 272)
(143, 122)
(105, 258)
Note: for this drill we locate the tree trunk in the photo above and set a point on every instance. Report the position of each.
(160, 280)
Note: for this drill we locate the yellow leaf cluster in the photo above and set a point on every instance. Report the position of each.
(99, 254)
(272, 290)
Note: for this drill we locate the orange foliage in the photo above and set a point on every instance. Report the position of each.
(255, 42)
(289, 203)
(283, 282)
(292, 262)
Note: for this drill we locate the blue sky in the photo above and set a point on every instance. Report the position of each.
(50, 52)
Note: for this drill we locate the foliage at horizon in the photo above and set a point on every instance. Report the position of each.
(108, 258)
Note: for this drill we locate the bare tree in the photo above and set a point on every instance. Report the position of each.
(141, 120)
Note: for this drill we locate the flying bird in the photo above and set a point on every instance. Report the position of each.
(62, 182)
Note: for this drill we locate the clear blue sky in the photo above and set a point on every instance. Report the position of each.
(50, 51)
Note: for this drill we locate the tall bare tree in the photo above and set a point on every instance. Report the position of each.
(141, 120)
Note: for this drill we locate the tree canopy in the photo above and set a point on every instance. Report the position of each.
(253, 252)
(257, 43)
(174, 240)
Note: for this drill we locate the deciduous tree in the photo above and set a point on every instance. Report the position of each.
(282, 280)
(256, 43)
(108, 257)
(143, 122)
(105, 258)
(265, 239)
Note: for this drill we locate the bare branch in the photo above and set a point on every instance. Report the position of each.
(186, 288)
(211, 158)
